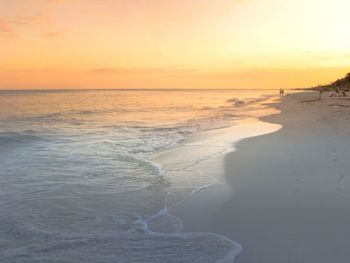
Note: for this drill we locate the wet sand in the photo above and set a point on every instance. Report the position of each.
(285, 195)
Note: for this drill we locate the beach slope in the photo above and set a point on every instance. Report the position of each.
(289, 190)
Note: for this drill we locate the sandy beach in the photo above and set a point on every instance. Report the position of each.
(285, 195)
(174, 131)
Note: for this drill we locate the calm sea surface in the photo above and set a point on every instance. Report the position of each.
(77, 180)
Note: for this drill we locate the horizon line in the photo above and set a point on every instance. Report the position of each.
(140, 89)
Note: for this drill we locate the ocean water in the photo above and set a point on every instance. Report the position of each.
(78, 181)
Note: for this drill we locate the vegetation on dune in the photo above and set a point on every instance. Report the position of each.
(342, 84)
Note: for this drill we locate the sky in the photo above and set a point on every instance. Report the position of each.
(54, 44)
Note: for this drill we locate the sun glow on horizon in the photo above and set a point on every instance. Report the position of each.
(172, 44)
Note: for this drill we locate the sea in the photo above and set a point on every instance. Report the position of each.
(79, 181)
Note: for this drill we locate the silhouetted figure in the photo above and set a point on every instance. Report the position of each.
(320, 97)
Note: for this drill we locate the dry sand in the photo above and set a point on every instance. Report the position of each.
(285, 196)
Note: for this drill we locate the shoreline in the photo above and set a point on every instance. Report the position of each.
(197, 161)
(284, 194)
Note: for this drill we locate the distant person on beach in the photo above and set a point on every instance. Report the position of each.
(320, 97)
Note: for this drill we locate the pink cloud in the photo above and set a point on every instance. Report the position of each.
(53, 34)
(6, 29)
(32, 20)
(40, 24)
(151, 70)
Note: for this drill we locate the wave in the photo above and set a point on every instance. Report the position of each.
(141, 228)
(240, 103)
(145, 247)
(7, 138)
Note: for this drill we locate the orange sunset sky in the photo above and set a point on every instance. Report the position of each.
(172, 44)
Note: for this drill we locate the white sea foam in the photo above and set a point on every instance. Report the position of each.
(79, 182)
